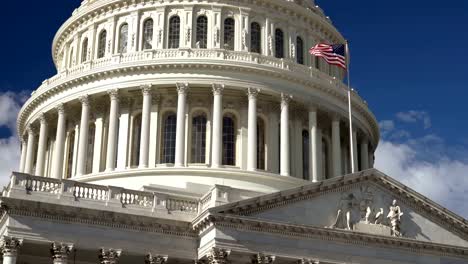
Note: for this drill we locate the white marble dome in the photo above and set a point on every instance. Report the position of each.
(189, 94)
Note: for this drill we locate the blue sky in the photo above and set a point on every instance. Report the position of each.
(409, 61)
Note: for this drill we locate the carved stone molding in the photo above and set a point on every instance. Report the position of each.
(182, 88)
(10, 245)
(218, 88)
(218, 256)
(109, 256)
(158, 259)
(60, 251)
(262, 259)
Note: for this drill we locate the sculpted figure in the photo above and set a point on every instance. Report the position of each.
(394, 215)
(379, 217)
(343, 217)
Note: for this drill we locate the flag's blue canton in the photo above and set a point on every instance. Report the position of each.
(339, 49)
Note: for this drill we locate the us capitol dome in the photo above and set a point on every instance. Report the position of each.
(203, 130)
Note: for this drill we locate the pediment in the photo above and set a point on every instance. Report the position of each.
(361, 202)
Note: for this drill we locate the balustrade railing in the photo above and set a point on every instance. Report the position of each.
(207, 55)
(21, 184)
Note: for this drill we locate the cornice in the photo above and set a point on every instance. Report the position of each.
(334, 235)
(326, 85)
(67, 214)
(312, 15)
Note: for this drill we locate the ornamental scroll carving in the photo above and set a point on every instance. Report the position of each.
(358, 211)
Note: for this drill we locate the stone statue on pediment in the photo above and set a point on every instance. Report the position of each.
(343, 216)
(394, 215)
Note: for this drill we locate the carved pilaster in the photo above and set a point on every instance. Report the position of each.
(150, 259)
(182, 88)
(60, 252)
(218, 256)
(10, 246)
(262, 259)
(156, 99)
(109, 256)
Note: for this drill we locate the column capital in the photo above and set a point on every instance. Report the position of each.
(252, 93)
(312, 108)
(218, 256)
(10, 245)
(60, 251)
(31, 129)
(262, 259)
(146, 89)
(285, 98)
(307, 261)
(60, 109)
(43, 119)
(113, 94)
(218, 88)
(84, 100)
(335, 117)
(182, 88)
(155, 98)
(109, 256)
(158, 259)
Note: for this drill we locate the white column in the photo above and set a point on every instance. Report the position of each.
(285, 169)
(75, 150)
(123, 135)
(83, 140)
(57, 162)
(60, 252)
(364, 154)
(315, 162)
(10, 247)
(252, 130)
(24, 147)
(153, 142)
(336, 147)
(113, 130)
(42, 146)
(182, 89)
(273, 142)
(217, 125)
(355, 153)
(28, 167)
(98, 139)
(320, 158)
(145, 126)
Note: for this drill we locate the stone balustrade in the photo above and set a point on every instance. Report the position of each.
(35, 187)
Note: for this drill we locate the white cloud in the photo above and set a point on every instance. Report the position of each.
(442, 180)
(414, 116)
(10, 158)
(9, 108)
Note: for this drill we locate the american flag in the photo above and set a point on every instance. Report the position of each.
(332, 53)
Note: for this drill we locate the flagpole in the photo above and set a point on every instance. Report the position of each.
(353, 166)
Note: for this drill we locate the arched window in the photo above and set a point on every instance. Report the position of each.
(255, 38)
(260, 144)
(102, 44)
(202, 32)
(199, 139)
(169, 139)
(136, 139)
(299, 50)
(279, 43)
(305, 155)
(84, 50)
(148, 34)
(174, 32)
(229, 141)
(90, 149)
(70, 61)
(229, 31)
(69, 158)
(123, 38)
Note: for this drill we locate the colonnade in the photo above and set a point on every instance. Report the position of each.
(116, 150)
